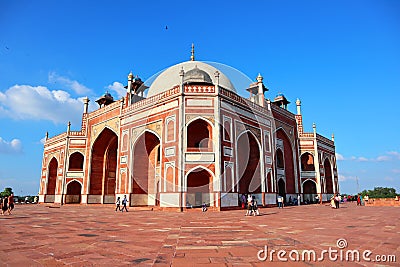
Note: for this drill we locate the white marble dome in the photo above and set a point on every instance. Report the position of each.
(170, 77)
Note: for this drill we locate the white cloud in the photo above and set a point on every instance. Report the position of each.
(339, 156)
(383, 158)
(118, 88)
(396, 170)
(14, 146)
(38, 102)
(346, 177)
(395, 154)
(69, 84)
(362, 159)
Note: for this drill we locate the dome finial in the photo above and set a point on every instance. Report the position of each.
(192, 56)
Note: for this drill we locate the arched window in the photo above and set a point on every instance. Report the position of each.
(170, 130)
(307, 162)
(76, 162)
(279, 159)
(199, 134)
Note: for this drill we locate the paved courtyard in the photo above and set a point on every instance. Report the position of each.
(37, 235)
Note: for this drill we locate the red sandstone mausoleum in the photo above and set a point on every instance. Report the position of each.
(187, 139)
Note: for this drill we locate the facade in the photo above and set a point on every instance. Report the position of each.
(185, 140)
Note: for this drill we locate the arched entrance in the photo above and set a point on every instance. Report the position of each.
(282, 189)
(73, 193)
(309, 191)
(199, 187)
(52, 179)
(248, 162)
(288, 161)
(146, 167)
(103, 168)
(328, 177)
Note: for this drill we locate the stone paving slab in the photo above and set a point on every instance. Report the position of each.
(75, 235)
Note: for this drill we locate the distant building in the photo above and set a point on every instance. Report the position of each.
(188, 139)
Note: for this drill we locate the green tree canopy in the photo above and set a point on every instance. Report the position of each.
(380, 192)
(7, 192)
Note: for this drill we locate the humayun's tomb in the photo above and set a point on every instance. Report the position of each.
(185, 139)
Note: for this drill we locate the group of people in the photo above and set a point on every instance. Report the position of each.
(7, 204)
(118, 204)
(335, 200)
(252, 206)
(360, 200)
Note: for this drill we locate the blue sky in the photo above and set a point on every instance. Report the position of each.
(341, 58)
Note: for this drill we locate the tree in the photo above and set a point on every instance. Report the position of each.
(7, 192)
(380, 192)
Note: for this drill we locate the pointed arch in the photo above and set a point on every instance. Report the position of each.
(52, 172)
(146, 160)
(104, 164)
(309, 188)
(199, 185)
(328, 176)
(290, 179)
(280, 162)
(248, 163)
(307, 162)
(76, 161)
(199, 132)
(74, 190)
(282, 188)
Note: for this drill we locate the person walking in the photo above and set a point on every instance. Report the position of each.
(280, 202)
(118, 204)
(255, 207)
(10, 203)
(298, 199)
(4, 206)
(249, 207)
(204, 207)
(124, 202)
(337, 201)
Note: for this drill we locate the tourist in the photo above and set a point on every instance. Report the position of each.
(124, 202)
(358, 200)
(249, 206)
(10, 203)
(254, 205)
(280, 202)
(316, 199)
(333, 204)
(204, 207)
(366, 199)
(243, 199)
(337, 200)
(118, 204)
(249, 198)
(4, 206)
(298, 199)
